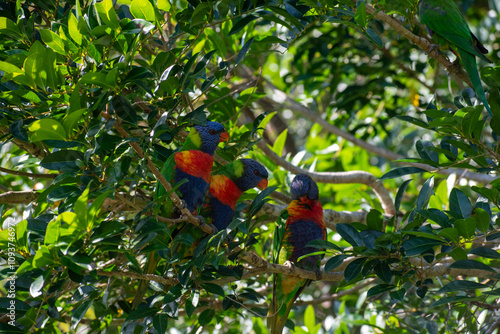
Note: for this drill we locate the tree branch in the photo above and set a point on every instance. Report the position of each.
(28, 147)
(385, 153)
(147, 277)
(31, 175)
(421, 42)
(337, 178)
(18, 197)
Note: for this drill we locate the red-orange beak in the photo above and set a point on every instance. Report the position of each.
(262, 184)
(224, 137)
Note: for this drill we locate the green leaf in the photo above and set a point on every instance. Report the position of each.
(260, 200)
(124, 109)
(378, 289)
(9, 329)
(310, 320)
(80, 209)
(375, 220)
(141, 313)
(213, 288)
(279, 143)
(206, 316)
(449, 300)
(95, 208)
(62, 160)
(52, 232)
(96, 78)
(402, 171)
(241, 24)
(53, 40)
(418, 245)
(73, 29)
(107, 13)
(142, 9)
(490, 194)
(450, 233)
(399, 195)
(398, 294)
(349, 234)
(160, 322)
(40, 67)
(353, 269)
(461, 286)
(43, 258)
(20, 306)
(323, 244)
(360, 16)
(334, 262)
(425, 193)
(471, 264)
(9, 27)
(485, 252)
(424, 149)
(244, 50)
(10, 68)
(62, 193)
(482, 220)
(383, 271)
(47, 129)
(71, 119)
(466, 227)
(460, 204)
(374, 37)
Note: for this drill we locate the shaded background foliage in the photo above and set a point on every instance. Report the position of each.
(336, 91)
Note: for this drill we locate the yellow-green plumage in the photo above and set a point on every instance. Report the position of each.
(450, 30)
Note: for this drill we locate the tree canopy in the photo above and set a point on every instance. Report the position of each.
(96, 95)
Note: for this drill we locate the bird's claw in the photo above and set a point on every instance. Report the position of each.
(318, 273)
(289, 264)
(214, 229)
(432, 47)
(202, 220)
(183, 205)
(455, 67)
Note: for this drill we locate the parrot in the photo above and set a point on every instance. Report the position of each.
(448, 27)
(304, 223)
(192, 162)
(227, 186)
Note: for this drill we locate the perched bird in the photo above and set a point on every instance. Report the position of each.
(193, 162)
(448, 28)
(227, 186)
(304, 224)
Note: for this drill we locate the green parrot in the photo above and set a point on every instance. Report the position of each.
(448, 28)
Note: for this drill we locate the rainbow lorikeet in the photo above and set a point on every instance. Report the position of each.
(449, 29)
(304, 224)
(193, 162)
(226, 187)
(228, 184)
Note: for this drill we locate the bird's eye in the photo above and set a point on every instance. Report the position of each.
(212, 132)
(256, 172)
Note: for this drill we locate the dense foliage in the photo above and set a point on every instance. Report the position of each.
(94, 96)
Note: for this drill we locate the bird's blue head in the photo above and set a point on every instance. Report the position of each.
(302, 185)
(211, 135)
(252, 175)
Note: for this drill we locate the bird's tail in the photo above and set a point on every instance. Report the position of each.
(280, 309)
(149, 268)
(470, 65)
